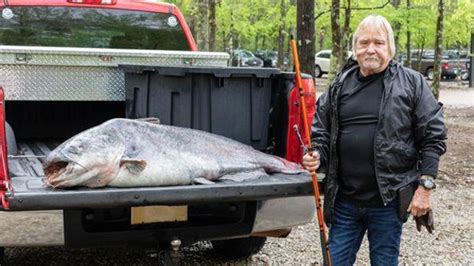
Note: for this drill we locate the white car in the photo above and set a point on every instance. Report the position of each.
(323, 58)
(322, 63)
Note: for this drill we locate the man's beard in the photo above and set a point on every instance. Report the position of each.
(371, 63)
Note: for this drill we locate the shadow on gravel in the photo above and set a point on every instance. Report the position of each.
(198, 254)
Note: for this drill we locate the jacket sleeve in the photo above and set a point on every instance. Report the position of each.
(429, 127)
(320, 129)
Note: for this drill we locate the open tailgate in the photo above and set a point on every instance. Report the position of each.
(30, 193)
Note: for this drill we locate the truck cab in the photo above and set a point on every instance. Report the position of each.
(69, 65)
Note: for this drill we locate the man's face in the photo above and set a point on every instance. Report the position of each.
(372, 51)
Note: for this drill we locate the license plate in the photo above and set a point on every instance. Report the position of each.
(158, 214)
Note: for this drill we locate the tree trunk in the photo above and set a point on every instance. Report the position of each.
(288, 48)
(203, 25)
(224, 42)
(421, 50)
(322, 35)
(438, 49)
(305, 34)
(346, 35)
(471, 67)
(396, 26)
(256, 42)
(193, 20)
(408, 63)
(281, 35)
(231, 33)
(336, 53)
(212, 25)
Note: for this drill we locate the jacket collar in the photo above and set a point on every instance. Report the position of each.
(351, 64)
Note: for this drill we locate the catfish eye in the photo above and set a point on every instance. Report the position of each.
(75, 149)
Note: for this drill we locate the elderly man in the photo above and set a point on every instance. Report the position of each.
(378, 131)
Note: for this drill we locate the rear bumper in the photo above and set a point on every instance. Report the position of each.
(282, 213)
(58, 227)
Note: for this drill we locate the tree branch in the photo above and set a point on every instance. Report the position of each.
(369, 8)
(352, 8)
(321, 13)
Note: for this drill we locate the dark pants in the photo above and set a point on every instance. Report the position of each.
(383, 227)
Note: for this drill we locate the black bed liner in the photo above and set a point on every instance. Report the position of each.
(30, 193)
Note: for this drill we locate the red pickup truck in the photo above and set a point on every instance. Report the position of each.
(68, 65)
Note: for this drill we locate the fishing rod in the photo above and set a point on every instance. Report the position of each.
(319, 211)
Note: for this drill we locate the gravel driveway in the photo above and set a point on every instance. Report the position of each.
(452, 241)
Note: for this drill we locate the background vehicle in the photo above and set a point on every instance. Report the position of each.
(245, 58)
(451, 65)
(60, 75)
(323, 59)
(270, 58)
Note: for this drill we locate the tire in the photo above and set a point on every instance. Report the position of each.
(465, 75)
(429, 73)
(317, 72)
(238, 248)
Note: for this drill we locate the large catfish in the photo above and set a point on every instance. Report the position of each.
(131, 153)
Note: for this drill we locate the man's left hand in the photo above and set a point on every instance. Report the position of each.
(421, 202)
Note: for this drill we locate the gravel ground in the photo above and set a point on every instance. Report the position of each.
(452, 242)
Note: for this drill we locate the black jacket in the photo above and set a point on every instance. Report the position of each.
(410, 133)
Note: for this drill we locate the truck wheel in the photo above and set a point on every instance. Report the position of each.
(239, 248)
(11, 141)
(317, 71)
(430, 73)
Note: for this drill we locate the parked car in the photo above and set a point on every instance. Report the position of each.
(450, 67)
(323, 59)
(269, 58)
(245, 58)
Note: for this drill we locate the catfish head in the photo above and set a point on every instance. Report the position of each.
(91, 159)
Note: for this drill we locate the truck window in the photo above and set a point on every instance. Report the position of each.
(93, 28)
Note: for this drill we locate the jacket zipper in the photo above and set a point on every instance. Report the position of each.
(387, 85)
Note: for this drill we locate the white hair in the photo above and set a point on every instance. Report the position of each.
(379, 23)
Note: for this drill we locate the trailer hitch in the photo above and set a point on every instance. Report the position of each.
(7, 13)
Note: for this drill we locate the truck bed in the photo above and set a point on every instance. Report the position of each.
(30, 193)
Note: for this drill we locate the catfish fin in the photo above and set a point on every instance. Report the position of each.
(202, 181)
(134, 166)
(242, 176)
(153, 120)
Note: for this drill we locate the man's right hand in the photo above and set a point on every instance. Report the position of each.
(311, 161)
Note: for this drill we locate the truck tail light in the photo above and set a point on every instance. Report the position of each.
(5, 187)
(93, 2)
(294, 152)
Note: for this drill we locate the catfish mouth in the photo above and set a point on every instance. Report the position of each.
(55, 171)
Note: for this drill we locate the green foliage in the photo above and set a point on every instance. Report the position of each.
(254, 24)
(251, 24)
